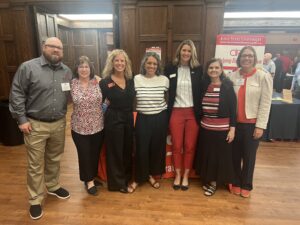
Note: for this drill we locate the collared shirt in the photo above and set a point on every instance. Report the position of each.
(270, 67)
(184, 95)
(37, 91)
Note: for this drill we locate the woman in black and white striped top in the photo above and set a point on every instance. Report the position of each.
(152, 120)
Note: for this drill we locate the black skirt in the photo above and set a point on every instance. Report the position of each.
(213, 161)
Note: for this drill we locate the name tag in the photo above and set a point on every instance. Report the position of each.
(240, 81)
(65, 86)
(173, 75)
(216, 89)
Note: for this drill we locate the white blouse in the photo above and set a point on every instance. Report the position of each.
(184, 95)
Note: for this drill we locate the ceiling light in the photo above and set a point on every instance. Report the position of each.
(232, 15)
(88, 17)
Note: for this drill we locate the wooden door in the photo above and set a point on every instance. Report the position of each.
(165, 24)
(16, 43)
(46, 25)
(85, 42)
(66, 36)
(106, 45)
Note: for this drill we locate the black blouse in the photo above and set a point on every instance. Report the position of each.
(119, 99)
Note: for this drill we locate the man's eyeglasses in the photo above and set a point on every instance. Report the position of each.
(53, 47)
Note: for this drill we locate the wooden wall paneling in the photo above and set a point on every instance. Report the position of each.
(92, 48)
(65, 35)
(6, 34)
(128, 39)
(16, 44)
(3, 75)
(46, 25)
(214, 26)
(170, 22)
(85, 42)
(188, 24)
(52, 25)
(103, 49)
(4, 4)
(42, 26)
(153, 20)
(116, 23)
(187, 19)
(152, 30)
(26, 43)
(169, 52)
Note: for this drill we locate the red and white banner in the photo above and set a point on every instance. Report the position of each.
(170, 172)
(228, 47)
(157, 50)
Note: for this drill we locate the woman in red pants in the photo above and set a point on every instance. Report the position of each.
(185, 75)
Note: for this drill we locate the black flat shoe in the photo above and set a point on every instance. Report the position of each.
(92, 191)
(98, 183)
(176, 187)
(184, 187)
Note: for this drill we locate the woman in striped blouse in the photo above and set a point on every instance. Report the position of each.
(152, 120)
(214, 157)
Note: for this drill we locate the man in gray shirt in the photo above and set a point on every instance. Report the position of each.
(38, 101)
(268, 64)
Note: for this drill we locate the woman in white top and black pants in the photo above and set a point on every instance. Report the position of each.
(185, 75)
(152, 120)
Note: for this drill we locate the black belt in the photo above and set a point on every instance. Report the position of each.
(50, 120)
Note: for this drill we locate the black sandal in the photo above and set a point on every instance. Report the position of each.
(209, 189)
(154, 183)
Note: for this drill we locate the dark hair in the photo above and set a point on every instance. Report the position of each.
(212, 60)
(225, 81)
(80, 61)
(144, 60)
(238, 60)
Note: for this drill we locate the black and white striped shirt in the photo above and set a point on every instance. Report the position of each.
(150, 93)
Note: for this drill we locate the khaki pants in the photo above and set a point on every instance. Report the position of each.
(45, 146)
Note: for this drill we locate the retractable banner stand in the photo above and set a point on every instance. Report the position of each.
(228, 47)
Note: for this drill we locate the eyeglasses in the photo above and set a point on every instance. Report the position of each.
(247, 56)
(53, 47)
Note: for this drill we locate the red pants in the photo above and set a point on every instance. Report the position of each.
(184, 132)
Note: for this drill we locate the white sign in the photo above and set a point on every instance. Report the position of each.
(228, 47)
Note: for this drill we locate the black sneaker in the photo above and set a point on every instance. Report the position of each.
(60, 193)
(35, 212)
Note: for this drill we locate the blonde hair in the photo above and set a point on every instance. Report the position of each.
(193, 61)
(109, 66)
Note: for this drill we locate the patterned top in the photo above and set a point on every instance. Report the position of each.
(210, 107)
(150, 94)
(87, 116)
